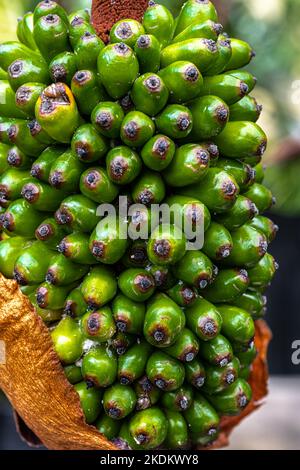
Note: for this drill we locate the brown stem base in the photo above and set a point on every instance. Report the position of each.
(106, 12)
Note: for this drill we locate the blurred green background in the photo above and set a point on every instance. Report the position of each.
(272, 27)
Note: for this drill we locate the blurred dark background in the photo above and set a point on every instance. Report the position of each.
(272, 28)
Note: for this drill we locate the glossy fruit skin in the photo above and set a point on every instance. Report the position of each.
(228, 285)
(3, 158)
(217, 242)
(86, 90)
(8, 107)
(178, 400)
(166, 245)
(99, 367)
(77, 213)
(265, 226)
(243, 173)
(233, 399)
(75, 305)
(136, 284)
(117, 60)
(48, 316)
(108, 427)
(96, 185)
(218, 379)
(41, 196)
(159, 22)
(63, 67)
(73, 374)
(9, 252)
(195, 12)
(260, 196)
(263, 272)
(26, 70)
(107, 118)
(196, 269)
(98, 325)
(217, 352)
(132, 364)
(26, 97)
(147, 50)
(78, 27)
(207, 29)
(123, 165)
(218, 190)
(237, 324)
(41, 167)
(177, 436)
(90, 400)
(45, 8)
(11, 184)
(23, 134)
(253, 302)
(210, 116)
(62, 271)
(75, 246)
(202, 419)
(87, 50)
(224, 55)
(99, 287)
(246, 355)
(12, 221)
(183, 80)
(17, 159)
(164, 321)
(51, 36)
(189, 165)
(227, 87)
(67, 340)
(88, 145)
(242, 139)
(25, 31)
(164, 371)
(119, 401)
(51, 297)
(175, 121)
(203, 319)
(106, 243)
(32, 264)
(249, 246)
(158, 152)
(182, 294)
(185, 348)
(128, 315)
(136, 129)
(126, 31)
(149, 94)
(247, 109)
(190, 211)
(242, 53)
(58, 120)
(195, 373)
(13, 50)
(148, 189)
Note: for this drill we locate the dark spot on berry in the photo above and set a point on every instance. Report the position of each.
(153, 83)
(143, 41)
(222, 114)
(98, 249)
(191, 73)
(93, 324)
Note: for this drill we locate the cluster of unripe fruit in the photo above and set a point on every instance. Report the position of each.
(157, 339)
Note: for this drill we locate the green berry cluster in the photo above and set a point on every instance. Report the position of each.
(157, 340)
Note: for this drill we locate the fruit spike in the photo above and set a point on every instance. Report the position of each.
(147, 318)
